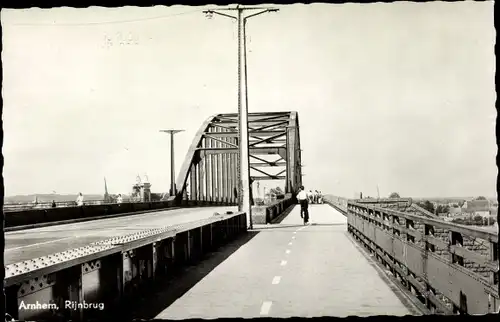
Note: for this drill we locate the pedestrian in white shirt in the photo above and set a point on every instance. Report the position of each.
(79, 200)
(310, 196)
(303, 199)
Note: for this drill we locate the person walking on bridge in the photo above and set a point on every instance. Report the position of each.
(320, 197)
(303, 199)
(79, 200)
(310, 196)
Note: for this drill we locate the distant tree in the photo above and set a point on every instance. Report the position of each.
(480, 198)
(276, 191)
(478, 218)
(461, 203)
(427, 205)
(156, 196)
(394, 195)
(440, 209)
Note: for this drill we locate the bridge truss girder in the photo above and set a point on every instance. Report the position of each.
(209, 171)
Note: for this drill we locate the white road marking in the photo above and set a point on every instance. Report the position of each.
(283, 263)
(293, 237)
(75, 237)
(265, 308)
(288, 251)
(294, 232)
(290, 243)
(276, 280)
(38, 244)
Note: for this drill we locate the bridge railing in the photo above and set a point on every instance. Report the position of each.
(21, 206)
(449, 267)
(110, 271)
(338, 203)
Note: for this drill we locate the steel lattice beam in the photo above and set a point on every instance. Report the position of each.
(209, 169)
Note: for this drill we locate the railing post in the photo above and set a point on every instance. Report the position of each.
(494, 304)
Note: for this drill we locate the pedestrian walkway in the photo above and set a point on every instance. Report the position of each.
(288, 270)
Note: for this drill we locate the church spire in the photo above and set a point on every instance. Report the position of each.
(106, 195)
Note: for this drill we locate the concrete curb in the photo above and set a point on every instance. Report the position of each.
(73, 221)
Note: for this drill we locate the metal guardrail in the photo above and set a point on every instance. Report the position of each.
(384, 200)
(338, 203)
(76, 284)
(23, 206)
(449, 267)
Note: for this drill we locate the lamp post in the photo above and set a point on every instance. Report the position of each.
(173, 191)
(244, 200)
(288, 187)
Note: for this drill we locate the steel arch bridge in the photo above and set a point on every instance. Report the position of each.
(209, 171)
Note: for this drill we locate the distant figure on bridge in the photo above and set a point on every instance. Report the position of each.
(303, 199)
(54, 204)
(310, 196)
(119, 199)
(79, 199)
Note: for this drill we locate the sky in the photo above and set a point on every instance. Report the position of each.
(395, 95)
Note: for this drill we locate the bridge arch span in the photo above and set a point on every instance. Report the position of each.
(210, 169)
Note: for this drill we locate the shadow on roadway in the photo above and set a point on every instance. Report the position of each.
(167, 290)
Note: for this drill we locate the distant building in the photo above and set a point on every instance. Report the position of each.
(107, 197)
(455, 211)
(477, 207)
(141, 191)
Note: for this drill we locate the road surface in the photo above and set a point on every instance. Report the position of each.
(289, 269)
(31, 243)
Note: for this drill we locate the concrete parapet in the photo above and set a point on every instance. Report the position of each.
(267, 213)
(259, 214)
